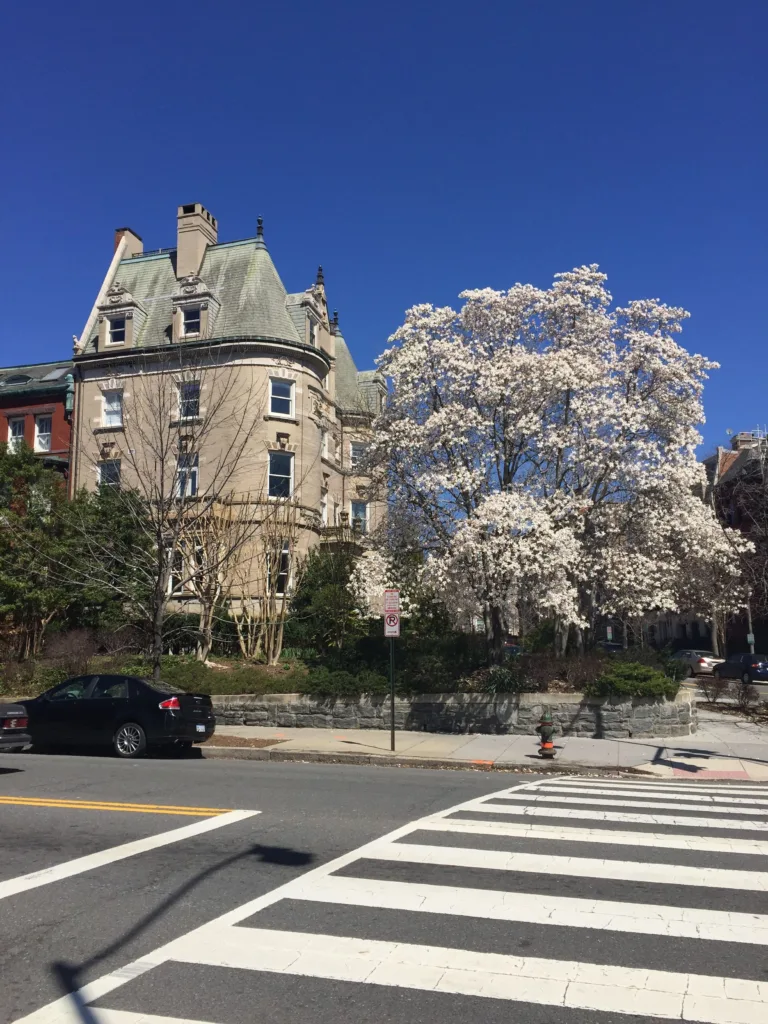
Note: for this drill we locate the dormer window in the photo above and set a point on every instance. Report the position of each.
(312, 333)
(191, 322)
(117, 331)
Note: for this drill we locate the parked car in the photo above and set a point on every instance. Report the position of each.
(13, 727)
(700, 663)
(609, 646)
(128, 713)
(749, 668)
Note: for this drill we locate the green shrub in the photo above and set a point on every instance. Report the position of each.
(631, 679)
(509, 679)
(325, 682)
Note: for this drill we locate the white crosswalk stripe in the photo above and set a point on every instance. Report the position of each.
(424, 908)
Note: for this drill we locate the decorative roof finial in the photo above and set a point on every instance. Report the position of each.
(320, 277)
(260, 228)
(335, 321)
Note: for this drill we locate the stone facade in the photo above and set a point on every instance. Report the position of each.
(573, 713)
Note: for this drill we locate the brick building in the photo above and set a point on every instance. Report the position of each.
(36, 408)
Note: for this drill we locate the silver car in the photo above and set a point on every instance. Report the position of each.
(700, 663)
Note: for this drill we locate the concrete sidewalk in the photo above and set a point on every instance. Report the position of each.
(723, 748)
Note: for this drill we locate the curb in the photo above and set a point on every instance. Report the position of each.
(384, 760)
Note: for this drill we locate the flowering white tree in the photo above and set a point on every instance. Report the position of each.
(536, 436)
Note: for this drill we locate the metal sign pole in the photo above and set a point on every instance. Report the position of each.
(392, 693)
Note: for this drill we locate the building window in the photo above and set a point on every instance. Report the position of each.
(189, 400)
(357, 454)
(109, 473)
(186, 472)
(191, 321)
(280, 475)
(323, 509)
(281, 397)
(312, 333)
(324, 443)
(117, 331)
(360, 516)
(283, 572)
(43, 434)
(15, 434)
(112, 413)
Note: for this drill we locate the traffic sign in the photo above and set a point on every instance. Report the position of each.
(392, 624)
(391, 601)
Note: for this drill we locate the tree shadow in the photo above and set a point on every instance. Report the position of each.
(670, 760)
(68, 976)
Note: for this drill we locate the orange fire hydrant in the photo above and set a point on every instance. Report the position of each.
(546, 730)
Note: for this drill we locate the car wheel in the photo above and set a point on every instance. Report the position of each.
(745, 679)
(130, 740)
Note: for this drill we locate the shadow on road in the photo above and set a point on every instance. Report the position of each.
(10, 771)
(68, 976)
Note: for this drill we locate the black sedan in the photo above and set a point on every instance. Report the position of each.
(13, 727)
(128, 713)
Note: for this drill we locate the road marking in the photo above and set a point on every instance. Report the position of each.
(565, 911)
(665, 787)
(107, 805)
(626, 818)
(660, 805)
(57, 872)
(616, 791)
(556, 833)
(567, 983)
(60, 1011)
(579, 867)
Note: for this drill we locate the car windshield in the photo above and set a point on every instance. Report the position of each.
(162, 687)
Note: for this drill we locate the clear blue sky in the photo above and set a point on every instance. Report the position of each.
(414, 149)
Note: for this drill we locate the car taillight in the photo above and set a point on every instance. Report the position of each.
(172, 704)
(702, 661)
(14, 723)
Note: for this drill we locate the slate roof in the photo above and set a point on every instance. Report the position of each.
(37, 377)
(241, 275)
(253, 302)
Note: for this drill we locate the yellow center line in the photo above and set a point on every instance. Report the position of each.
(104, 805)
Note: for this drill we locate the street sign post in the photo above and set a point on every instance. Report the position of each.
(391, 630)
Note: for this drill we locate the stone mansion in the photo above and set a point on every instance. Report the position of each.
(237, 369)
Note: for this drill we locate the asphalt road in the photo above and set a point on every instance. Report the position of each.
(375, 895)
(101, 919)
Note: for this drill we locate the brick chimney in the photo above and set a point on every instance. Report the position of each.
(196, 229)
(134, 244)
(745, 439)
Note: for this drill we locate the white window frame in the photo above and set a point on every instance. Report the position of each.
(180, 392)
(15, 440)
(190, 309)
(41, 446)
(365, 520)
(110, 329)
(354, 463)
(285, 553)
(111, 416)
(312, 333)
(112, 483)
(324, 444)
(281, 398)
(323, 509)
(187, 477)
(281, 497)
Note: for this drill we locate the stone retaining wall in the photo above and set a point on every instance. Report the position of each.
(573, 713)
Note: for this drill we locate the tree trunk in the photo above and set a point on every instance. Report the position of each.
(496, 651)
(714, 631)
(624, 635)
(205, 633)
(156, 650)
